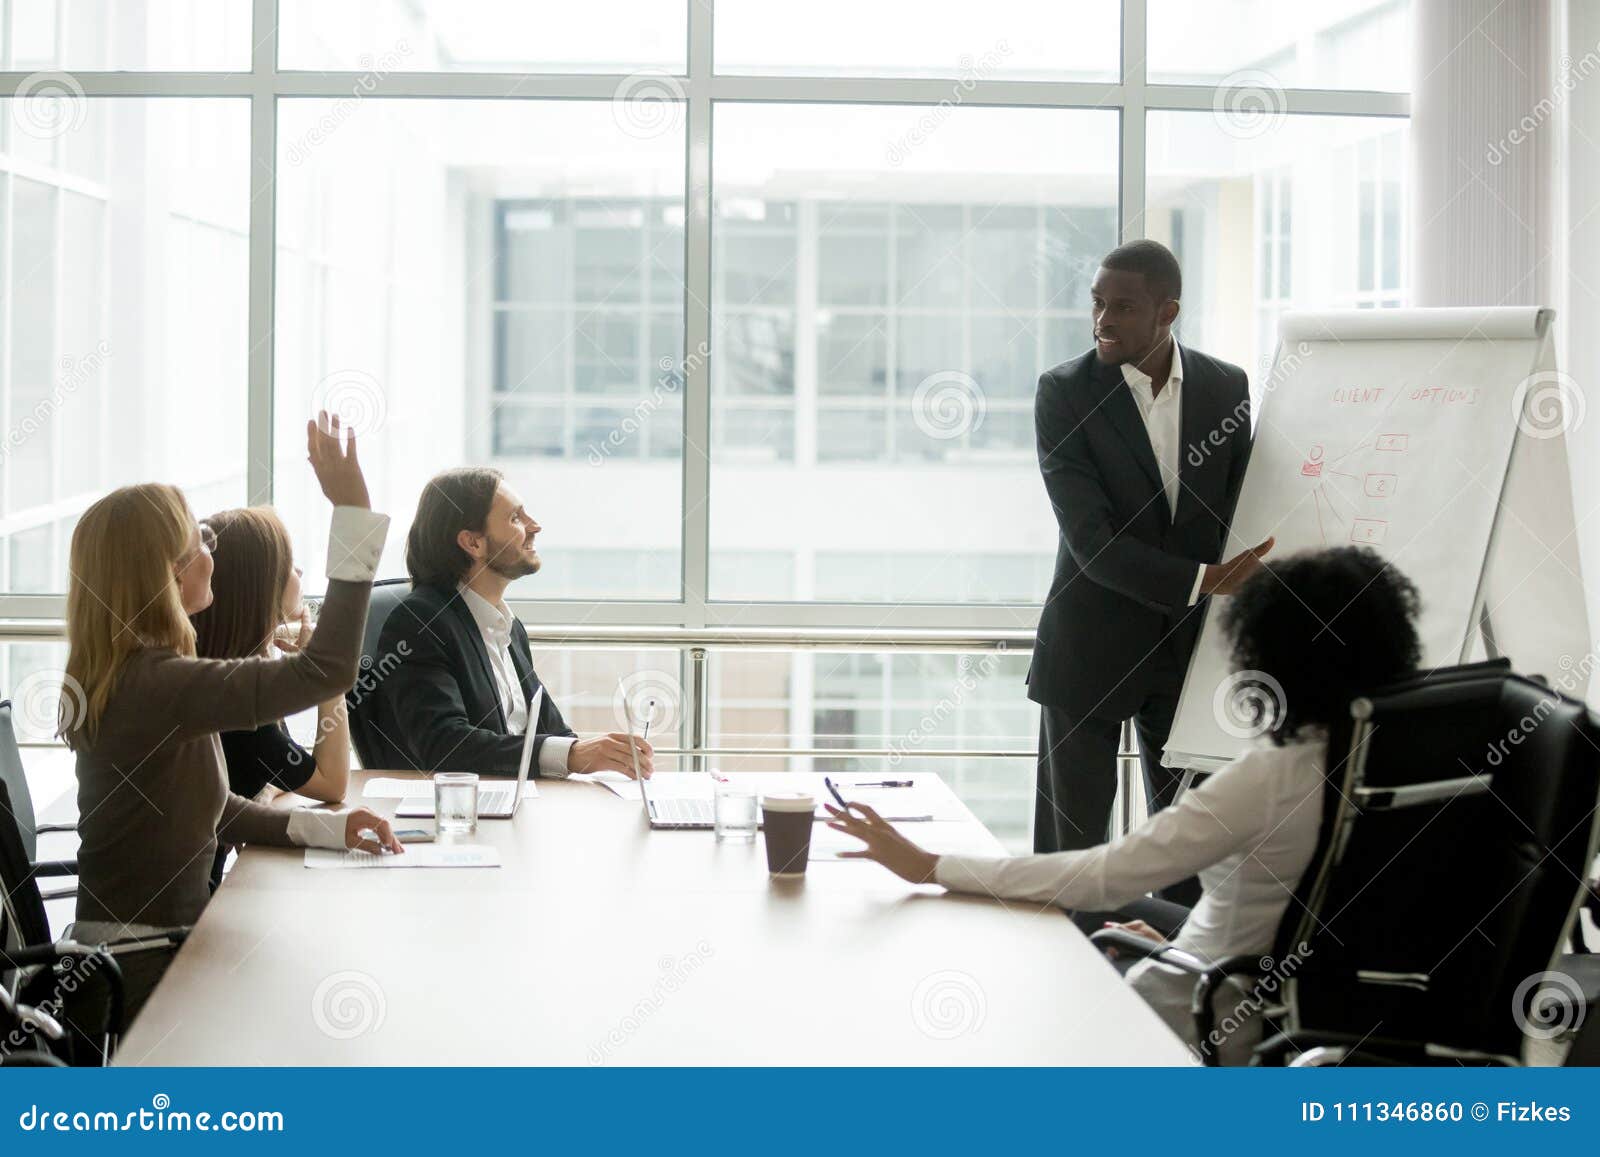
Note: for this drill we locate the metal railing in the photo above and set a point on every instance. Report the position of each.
(694, 646)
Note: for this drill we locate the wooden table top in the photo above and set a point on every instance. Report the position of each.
(602, 942)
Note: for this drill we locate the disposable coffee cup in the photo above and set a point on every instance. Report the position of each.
(786, 819)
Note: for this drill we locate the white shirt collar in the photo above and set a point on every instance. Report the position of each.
(1139, 380)
(494, 620)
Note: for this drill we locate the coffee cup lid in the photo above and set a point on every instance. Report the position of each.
(789, 801)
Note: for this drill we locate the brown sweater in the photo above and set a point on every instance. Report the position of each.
(153, 787)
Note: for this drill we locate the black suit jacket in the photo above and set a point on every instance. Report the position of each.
(438, 708)
(1116, 625)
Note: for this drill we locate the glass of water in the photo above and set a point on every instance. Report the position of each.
(455, 801)
(734, 808)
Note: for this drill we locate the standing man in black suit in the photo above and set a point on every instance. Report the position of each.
(458, 699)
(1143, 447)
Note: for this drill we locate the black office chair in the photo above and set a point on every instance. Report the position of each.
(18, 806)
(1459, 822)
(15, 778)
(363, 701)
(78, 987)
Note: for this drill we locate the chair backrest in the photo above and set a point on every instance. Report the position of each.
(23, 919)
(364, 701)
(12, 775)
(1459, 821)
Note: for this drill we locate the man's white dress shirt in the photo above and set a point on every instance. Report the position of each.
(494, 621)
(1163, 422)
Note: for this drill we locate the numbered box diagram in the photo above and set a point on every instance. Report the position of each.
(1368, 531)
(1395, 443)
(1379, 485)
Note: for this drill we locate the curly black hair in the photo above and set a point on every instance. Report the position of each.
(1324, 626)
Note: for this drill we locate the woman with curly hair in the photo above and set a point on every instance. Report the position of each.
(1308, 635)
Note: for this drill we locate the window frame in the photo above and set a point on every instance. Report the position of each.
(702, 88)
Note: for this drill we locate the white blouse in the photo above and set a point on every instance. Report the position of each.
(1249, 831)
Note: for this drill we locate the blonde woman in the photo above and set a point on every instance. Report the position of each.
(152, 790)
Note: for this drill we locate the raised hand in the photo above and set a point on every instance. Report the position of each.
(332, 453)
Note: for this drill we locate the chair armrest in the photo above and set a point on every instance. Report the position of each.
(33, 1059)
(31, 1019)
(169, 938)
(1138, 947)
(49, 895)
(1333, 1048)
(45, 829)
(1205, 1016)
(55, 868)
(49, 955)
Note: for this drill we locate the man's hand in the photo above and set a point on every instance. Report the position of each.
(884, 843)
(359, 820)
(1226, 577)
(610, 753)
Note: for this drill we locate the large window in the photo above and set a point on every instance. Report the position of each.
(882, 305)
(497, 282)
(775, 347)
(1286, 212)
(123, 320)
(748, 301)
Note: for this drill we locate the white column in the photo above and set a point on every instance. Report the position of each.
(1481, 207)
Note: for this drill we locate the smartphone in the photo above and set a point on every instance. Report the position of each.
(413, 835)
(835, 791)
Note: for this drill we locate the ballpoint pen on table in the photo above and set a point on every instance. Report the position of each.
(885, 783)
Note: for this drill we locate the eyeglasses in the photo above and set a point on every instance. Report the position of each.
(208, 538)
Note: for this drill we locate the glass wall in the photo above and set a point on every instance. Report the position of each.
(750, 310)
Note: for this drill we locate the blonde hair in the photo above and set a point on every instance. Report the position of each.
(122, 595)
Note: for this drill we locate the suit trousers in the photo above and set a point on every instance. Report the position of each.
(1077, 777)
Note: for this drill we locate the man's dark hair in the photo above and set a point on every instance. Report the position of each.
(1324, 626)
(1162, 275)
(451, 502)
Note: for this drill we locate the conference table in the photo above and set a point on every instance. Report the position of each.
(599, 941)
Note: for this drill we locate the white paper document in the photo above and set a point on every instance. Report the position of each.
(415, 856)
(382, 788)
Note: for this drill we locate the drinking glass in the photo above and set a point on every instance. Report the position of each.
(455, 801)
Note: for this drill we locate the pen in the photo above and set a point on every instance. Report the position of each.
(828, 783)
(886, 783)
(649, 718)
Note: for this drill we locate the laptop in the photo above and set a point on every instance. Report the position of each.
(498, 801)
(672, 811)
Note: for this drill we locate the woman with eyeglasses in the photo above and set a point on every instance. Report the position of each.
(142, 711)
(256, 610)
